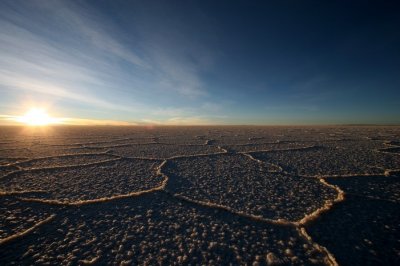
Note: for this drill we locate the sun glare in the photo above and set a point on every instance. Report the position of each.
(36, 117)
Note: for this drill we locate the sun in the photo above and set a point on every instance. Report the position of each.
(37, 117)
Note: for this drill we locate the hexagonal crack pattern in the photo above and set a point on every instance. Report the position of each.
(199, 195)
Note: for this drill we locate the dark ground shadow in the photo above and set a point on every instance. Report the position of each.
(378, 187)
(392, 150)
(156, 229)
(360, 231)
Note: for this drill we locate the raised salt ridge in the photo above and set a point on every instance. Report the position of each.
(200, 195)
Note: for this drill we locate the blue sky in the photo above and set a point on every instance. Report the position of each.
(202, 62)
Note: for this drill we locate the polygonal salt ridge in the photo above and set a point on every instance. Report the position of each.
(10, 161)
(360, 230)
(392, 143)
(156, 229)
(331, 160)
(65, 160)
(345, 133)
(162, 151)
(393, 149)
(255, 147)
(373, 187)
(233, 138)
(47, 151)
(18, 217)
(242, 185)
(245, 140)
(119, 142)
(355, 145)
(7, 169)
(5, 146)
(182, 141)
(88, 183)
(392, 172)
(15, 153)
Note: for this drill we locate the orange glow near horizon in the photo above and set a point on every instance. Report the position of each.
(37, 117)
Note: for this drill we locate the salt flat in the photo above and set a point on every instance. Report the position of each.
(200, 195)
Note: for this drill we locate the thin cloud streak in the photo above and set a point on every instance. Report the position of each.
(133, 61)
(24, 83)
(17, 34)
(63, 50)
(45, 69)
(89, 26)
(180, 121)
(94, 122)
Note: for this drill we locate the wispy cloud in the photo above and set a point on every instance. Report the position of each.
(97, 122)
(292, 107)
(180, 121)
(179, 56)
(313, 90)
(90, 26)
(32, 63)
(181, 77)
(71, 52)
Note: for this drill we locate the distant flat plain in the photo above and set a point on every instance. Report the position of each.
(255, 195)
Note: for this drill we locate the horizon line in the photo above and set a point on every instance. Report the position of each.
(201, 125)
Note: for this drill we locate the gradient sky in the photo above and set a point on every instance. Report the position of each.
(202, 62)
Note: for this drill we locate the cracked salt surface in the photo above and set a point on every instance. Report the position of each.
(374, 187)
(251, 147)
(360, 231)
(66, 160)
(7, 169)
(161, 151)
(244, 185)
(17, 216)
(200, 195)
(88, 182)
(157, 229)
(342, 158)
